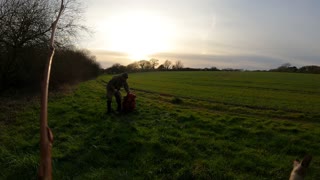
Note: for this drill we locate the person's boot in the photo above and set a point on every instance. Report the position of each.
(109, 106)
(118, 103)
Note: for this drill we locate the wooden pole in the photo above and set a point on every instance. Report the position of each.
(46, 136)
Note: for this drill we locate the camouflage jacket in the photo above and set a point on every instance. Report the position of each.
(116, 83)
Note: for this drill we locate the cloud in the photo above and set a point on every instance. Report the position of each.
(245, 61)
(108, 58)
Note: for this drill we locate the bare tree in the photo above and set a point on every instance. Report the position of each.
(71, 23)
(144, 64)
(24, 22)
(178, 65)
(167, 64)
(285, 65)
(116, 68)
(27, 23)
(154, 62)
(161, 67)
(133, 66)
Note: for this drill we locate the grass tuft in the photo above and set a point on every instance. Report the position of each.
(176, 100)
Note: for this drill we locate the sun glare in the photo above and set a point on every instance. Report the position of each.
(138, 34)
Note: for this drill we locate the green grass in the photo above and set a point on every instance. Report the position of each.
(187, 125)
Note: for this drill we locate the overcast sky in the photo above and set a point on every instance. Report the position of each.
(245, 34)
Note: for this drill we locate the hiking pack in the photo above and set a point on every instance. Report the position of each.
(129, 103)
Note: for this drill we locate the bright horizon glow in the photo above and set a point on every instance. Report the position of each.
(138, 34)
(226, 34)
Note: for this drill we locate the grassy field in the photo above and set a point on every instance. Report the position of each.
(187, 125)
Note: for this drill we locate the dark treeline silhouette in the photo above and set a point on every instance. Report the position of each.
(24, 35)
(151, 65)
(69, 66)
(287, 67)
(72, 66)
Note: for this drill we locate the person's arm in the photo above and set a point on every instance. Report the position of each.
(126, 87)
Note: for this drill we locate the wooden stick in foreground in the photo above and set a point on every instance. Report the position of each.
(46, 136)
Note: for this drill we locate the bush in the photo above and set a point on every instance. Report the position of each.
(73, 66)
(69, 66)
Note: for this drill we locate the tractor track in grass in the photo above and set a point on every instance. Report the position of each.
(216, 102)
(227, 107)
(307, 92)
(247, 110)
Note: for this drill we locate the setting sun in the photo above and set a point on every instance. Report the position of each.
(138, 34)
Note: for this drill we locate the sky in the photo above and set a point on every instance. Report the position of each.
(240, 34)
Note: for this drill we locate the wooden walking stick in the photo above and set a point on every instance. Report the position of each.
(46, 136)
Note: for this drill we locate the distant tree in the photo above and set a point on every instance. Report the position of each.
(189, 69)
(292, 69)
(154, 62)
(177, 65)
(133, 67)
(214, 69)
(231, 69)
(304, 69)
(144, 64)
(167, 64)
(310, 69)
(161, 67)
(286, 67)
(116, 69)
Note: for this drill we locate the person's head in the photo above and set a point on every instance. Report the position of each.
(124, 75)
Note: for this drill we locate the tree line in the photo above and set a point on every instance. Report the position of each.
(154, 65)
(145, 65)
(24, 37)
(287, 67)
